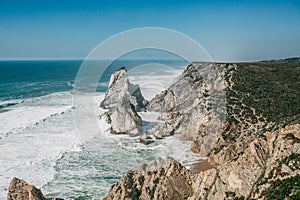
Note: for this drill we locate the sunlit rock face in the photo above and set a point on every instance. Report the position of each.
(166, 180)
(123, 100)
(194, 106)
(253, 145)
(21, 190)
(248, 168)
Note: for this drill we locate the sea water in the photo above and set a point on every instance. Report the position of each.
(39, 140)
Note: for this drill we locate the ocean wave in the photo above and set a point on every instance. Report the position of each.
(12, 102)
(33, 111)
(17, 120)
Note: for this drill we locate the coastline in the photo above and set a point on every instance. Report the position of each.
(228, 155)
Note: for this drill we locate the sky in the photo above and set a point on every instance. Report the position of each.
(228, 30)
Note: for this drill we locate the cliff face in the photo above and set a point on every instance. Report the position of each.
(251, 137)
(215, 104)
(194, 106)
(263, 168)
(255, 168)
(123, 100)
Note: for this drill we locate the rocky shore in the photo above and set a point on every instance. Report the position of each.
(21, 190)
(264, 168)
(244, 117)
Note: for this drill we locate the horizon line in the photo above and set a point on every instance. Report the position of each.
(82, 59)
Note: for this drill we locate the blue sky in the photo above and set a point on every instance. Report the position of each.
(228, 30)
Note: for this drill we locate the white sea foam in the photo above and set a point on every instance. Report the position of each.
(153, 78)
(32, 112)
(7, 103)
(44, 128)
(49, 153)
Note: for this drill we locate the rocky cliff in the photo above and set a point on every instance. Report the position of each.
(251, 134)
(123, 100)
(265, 168)
(245, 117)
(165, 180)
(194, 106)
(215, 104)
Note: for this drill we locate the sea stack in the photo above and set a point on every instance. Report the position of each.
(123, 100)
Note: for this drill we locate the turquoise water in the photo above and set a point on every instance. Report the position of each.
(28, 79)
(38, 136)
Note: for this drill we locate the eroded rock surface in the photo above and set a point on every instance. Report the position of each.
(194, 106)
(250, 133)
(123, 100)
(21, 190)
(247, 169)
(165, 180)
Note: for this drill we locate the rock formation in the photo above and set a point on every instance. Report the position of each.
(21, 190)
(250, 133)
(248, 169)
(194, 106)
(169, 180)
(144, 139)
(123, 100)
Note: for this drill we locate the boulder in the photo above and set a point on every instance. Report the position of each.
(146, 139)
(21, 190)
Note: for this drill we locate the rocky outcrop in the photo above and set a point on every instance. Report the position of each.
(21, 190)
(144, 139)
(161, 180)
(118, 82)
(244, 117)
(194, 106)
(249, 168)
(212, 103)
(123, 100)
(244, 170)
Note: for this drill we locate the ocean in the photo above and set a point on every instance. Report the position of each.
(39, 139)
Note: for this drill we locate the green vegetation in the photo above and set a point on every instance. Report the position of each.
(129, 181)
(232, 195)
(141, 180)
(281, 189)
(266, 92)
(291, 136)
(292, 161)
